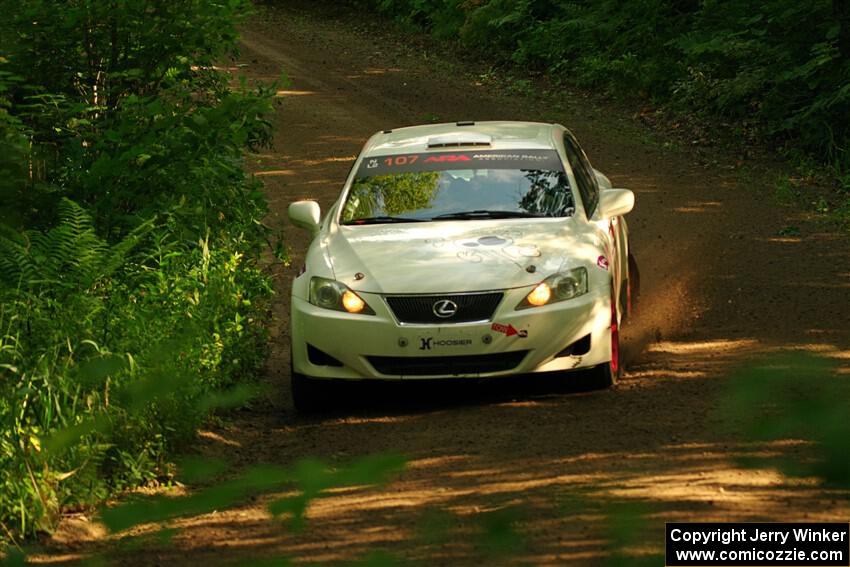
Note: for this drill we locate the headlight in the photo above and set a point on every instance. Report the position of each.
(557, 287)
(331, 294)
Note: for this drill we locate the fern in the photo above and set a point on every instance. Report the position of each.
(69, 256)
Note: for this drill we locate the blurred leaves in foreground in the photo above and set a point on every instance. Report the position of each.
(794, 396)
(778, 397)
(311, 478)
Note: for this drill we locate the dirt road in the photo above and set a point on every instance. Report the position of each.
(719, 283)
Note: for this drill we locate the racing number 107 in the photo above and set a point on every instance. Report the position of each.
(401, 160)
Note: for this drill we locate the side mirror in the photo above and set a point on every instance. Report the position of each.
(615, 202)
(305, 214)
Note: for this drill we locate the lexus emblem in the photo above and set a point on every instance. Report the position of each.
(444, 308)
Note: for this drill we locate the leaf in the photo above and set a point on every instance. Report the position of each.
(235, 397)
(157, 509)
(195, 469)
(63, 439)
(94, 372)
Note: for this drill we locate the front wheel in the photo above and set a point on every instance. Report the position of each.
(606, 374)
(633, 288)
(306, 394)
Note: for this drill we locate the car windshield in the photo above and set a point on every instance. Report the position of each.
(458, 186)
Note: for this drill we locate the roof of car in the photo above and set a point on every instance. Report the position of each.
(495, 135)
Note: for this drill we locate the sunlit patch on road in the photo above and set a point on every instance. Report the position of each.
(285, 93)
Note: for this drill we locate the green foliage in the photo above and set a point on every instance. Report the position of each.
(795, 396)
(67, 257)
(779, 69)
(312, 479)
(13, 146)
(131, 294)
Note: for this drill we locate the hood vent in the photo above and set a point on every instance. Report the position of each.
(459, 140)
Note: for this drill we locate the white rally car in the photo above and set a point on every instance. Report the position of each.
(462, 250)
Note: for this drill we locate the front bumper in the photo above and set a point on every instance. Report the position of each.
(512, 342)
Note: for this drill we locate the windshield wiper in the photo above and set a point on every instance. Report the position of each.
(382, 220)
(485, 214)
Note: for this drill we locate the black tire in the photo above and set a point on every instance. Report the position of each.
(308, 394)
(633, 293)
(601, 377)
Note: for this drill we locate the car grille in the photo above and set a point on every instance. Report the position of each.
(420, 308)
(436, 365)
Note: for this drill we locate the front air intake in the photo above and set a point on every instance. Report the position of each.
(320, 357)
(578, 348)
(446, 365)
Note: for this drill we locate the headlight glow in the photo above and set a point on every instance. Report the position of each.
(540, 295)
(352, 302)
(331, 294)
(557, 287)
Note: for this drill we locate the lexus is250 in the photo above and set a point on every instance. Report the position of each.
(470, 249)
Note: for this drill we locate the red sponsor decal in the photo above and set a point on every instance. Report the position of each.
(602, 262)
(509, 330)
(445, 158)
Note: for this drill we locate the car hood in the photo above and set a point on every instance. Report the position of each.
(451, 256)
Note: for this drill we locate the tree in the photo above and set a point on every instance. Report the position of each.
(841, 10)
(391, 194)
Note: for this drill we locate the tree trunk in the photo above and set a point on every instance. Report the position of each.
(841, 11)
